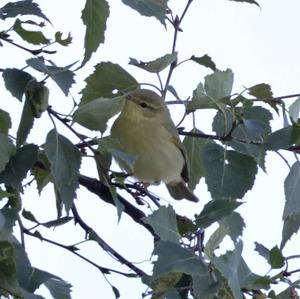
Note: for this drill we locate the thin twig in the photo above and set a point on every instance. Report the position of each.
(72, 249)
(94, 236)
(176, 24)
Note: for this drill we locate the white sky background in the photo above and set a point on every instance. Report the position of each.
(258, 45)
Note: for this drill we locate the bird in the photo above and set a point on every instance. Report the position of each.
(144, 129)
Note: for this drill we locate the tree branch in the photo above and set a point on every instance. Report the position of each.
(94, 236)
(98, 188)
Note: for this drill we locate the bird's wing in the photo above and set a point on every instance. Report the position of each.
(176, 140)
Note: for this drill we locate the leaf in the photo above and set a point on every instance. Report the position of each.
(216, 89)
(215, 210)
(262, 250)
(276, 259)
(25, 7)
(94, 115)
(29, 216)
(228, 174)
(106, 78)
(234, 225)
(164, 223)
(205, 60)
(7, 149)
(292, 191)
(64, 158)
(16, 81)
(57, 222)
(228, 264)
(194, 146)
(256, 123)
(8, 279)
(62, 76)
(219, 84)
(173, 258)
(294, 110)
(63, 42)
(261, 90)
(200, 100)
(291, 226)
(26, 123)
(5, 122)
(33, 37)
(150, 8)
(247, 1)
(94, 17)
(231, 225)
(18, 166)
(283, 138)
(156, 65)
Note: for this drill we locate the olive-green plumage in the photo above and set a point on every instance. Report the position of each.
(145, 130)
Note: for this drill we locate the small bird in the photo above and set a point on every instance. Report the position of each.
(145, 130)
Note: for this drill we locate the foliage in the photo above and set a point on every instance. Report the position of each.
(186, 266)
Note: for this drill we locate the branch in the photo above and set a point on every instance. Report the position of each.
(33, 52)
(98, 188)
(73, 250)
(176, 24)
(94, 236)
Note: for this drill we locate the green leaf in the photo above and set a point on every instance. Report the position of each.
(26, 123)
(164, 224)
(25, 7)
(62, 76)
(219, 84)
(106, 78)
(7, 149)
(94, 16)
(16, 81)
(276, 259)
(173, 258)
(283, 138)
(261, 90)
(63, 42)
(200, 100)
(33, 37)
(205, 60)
(228, 174)
(228, 264)
(150, 8)
(291, 226)
(156, 65)
(294, 110)
(5, 122)
(292, 191)
(18, 166)
(8, 279)
(233, 224)
(194, 146)
(57, 222)
(216, 90)
(29, 216)
(262, 250)
(95, 115)
(215, 210)
(223, 122)
(64, 158)
(255, 124)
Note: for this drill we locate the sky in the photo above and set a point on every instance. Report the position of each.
(260, 45)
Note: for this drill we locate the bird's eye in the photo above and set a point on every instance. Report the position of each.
(143, 105)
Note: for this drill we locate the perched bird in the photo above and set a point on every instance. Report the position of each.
(145, 130)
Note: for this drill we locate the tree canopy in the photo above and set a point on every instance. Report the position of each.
(186, 260)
